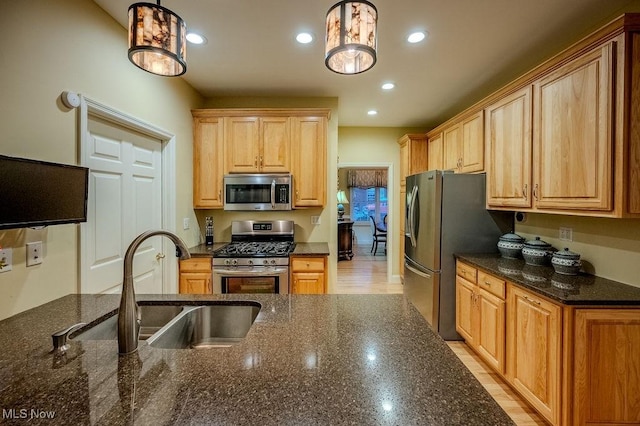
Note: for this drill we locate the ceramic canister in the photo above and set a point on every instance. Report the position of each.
(510, 245)
(537, 252)
(566, 262)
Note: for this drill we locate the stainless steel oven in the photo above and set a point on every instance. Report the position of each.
(257, 258)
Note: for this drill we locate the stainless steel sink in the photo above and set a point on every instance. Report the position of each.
(211, 326)
(154, 317)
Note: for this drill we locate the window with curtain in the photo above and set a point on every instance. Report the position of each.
(368, 190)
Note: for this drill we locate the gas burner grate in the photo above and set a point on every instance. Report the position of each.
(256, 249)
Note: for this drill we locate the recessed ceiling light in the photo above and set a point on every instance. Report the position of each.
(388, 86)
(196, 38)
(372, 112)
(416, 37)
(304, 38)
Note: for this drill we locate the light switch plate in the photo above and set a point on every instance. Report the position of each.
(315, 220)
(185, 223)
(6, 260)
(34, 253)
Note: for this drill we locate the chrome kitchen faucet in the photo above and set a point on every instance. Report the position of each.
(129, 314)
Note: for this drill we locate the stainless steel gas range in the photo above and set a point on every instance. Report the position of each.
(257, 258)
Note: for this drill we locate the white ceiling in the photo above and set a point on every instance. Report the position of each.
(473, 47)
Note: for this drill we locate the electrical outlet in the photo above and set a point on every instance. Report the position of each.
(6, 260)
(566, 234)
(34, 253)
(185, 223)
(315, 220)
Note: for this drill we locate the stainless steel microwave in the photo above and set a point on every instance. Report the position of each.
(253, 192)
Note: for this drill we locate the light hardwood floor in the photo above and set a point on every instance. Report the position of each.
(367, 274)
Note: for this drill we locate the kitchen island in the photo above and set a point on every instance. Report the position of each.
(327, 360)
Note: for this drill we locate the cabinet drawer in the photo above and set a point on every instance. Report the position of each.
(196, 264)
(467, 272)
(491, 284)
(305, 264)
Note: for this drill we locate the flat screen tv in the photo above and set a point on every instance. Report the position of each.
(37, 193)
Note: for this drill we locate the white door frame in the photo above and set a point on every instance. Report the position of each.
(90, 107)
(391, 198)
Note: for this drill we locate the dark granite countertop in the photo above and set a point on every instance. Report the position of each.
(322, 360)
(311, 249)
(203, 250)
(582, 289)
(302, 249)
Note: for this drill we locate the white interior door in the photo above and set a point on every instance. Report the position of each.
(125, 199)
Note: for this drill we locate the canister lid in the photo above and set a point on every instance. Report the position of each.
(538, 244)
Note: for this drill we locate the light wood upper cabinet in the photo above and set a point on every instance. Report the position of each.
(572, 134)
(435, 153)
(463, 145)
(257, 144)
(309, 161)
(508, 139)
(265, 140)
(413, 159)
(534, 333)
(208, 163)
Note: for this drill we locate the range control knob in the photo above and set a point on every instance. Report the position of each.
(273, 261)
(250, 262)
(234, 262)
(266, 262)
(227, 262)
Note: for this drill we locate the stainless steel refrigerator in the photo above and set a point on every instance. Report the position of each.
(445, 214)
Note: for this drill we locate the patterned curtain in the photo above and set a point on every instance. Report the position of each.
(367, 178)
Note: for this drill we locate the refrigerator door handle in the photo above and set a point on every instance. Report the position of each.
(415, 271)
(412, 215)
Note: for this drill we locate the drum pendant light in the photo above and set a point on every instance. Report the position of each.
(157, 39)
(350, 46)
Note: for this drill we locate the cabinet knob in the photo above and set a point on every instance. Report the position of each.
(255, 161)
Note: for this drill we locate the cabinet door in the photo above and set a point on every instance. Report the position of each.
(435, 149)
(534, 350)
(309, 156)
(307, 283)
(242, 148)
(208, 166)
(508, 138)
(572, 138)
(275, 145)
(451, 143)
(472, 144)
(466, 319)
(607, 366)
(195, 283)
(404, 163)
(490, 336)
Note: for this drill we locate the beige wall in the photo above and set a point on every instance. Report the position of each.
(369, 146)
(49, 47)
(609, 248)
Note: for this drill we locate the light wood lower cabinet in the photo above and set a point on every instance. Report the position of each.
(480, 314)
(308, 275)
(195, 276)
(576, 365)
(534, 333)
(606, 367)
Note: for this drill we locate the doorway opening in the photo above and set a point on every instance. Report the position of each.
(370, 199)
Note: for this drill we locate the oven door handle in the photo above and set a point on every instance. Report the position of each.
(273, 194)
(250, 272)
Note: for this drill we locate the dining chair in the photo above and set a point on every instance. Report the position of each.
(378, 237)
